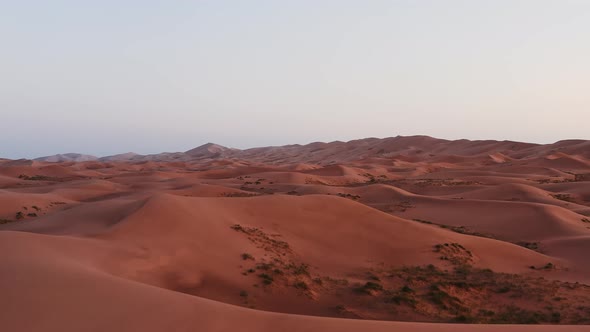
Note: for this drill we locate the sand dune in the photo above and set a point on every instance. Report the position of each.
(339, 236)
(55, 289)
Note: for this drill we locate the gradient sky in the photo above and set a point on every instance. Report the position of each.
(106, 77)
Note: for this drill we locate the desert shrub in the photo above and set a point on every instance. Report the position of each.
(529, 245)
(370, 287)
(340, 308)
(34, 177)
(402, 299)
(423, 221)
(246, 256)
(299, 269)
(503, 289)
(563, 197)
(353, 197)
(464, 319)
(266, 279)
(19, 215)
(406, 289)
(237, 227)
(486, 313)
(463, 269)
(265, 266)
(301, 285)
(441, 298)
(515, 315)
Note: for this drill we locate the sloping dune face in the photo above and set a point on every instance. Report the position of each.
(341, 236)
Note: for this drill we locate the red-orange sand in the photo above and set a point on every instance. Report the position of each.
(396, 234)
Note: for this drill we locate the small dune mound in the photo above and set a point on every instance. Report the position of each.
(499, 158)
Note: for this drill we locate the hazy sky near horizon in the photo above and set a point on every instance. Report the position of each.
(106, 77)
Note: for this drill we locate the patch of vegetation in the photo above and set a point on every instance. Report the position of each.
(19, 215)
(246, 256)
(503, 289)
(318, 281)
(406, 289)
(237, 194)
(424, 221)
(442, 299)
(515, 315)
(237, 227)
(301, 285)
(5, 221)
(265, 241)
(35, 177)
(586, 220)
(244, 293)
(402, 206)
(456, 229)
(265, 266)
(370, 287)
(454, 253)
(370, 178)
(529, 245)
(405, 295)
(279, 266)
(563, 197)
(266, 279)
(353, 197)
(299, 269)
(469, 295)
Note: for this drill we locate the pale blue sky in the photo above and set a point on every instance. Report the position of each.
(105, 77)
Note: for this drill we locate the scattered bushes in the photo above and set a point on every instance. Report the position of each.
(370, 287)
(299, 269)
(563, 197)
(266, 279)
(34, 177)
(301, 285)
(529, 245)
(353, 197)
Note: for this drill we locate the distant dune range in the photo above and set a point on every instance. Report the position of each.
(403, 233)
